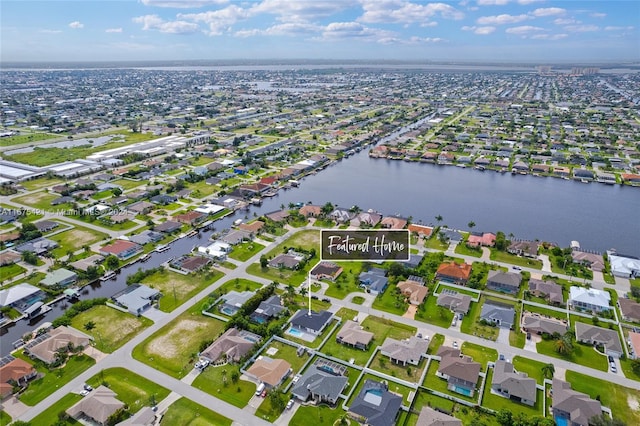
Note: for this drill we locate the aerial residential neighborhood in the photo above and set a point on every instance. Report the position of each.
(162, 258)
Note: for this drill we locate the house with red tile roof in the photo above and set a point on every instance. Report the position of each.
(310, 211)
(190, 218)
(424, 231)
(485, 239)
(390, 222)
(121, 248)
(454, 272)
(17, 372)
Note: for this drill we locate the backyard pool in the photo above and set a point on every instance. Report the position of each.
(561, 421)
(463, 391)
(295, 332)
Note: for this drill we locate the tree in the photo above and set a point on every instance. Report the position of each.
(235, 376)
(604, 420)
(89, 325)
(548, 370)
(30, 257)
(564, 345)
(327, 209)
(276, 399)
(471, 224)
(264, 262)
(29, 231)
(635, 366)
(112, 262)
(439, 218)
(501, 241)
(504, 417)
(396, 269)
(116, 192)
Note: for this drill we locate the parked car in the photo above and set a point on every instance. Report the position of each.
(614, 369)
(517, 268)
(84, 392)
(610, 358)
(290, 404)
(455, 343)
(87, 387)
(528, 336)
(264, 393)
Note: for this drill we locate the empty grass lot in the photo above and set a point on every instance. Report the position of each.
(177, 288)
(50, 415)
(480, 354)
(211, 380)
(74, 239)
(170, 349)
(112, 329)
(582, 354)
(431, 313)
(529, 366)
(9, 271)
(410, 373)
(319, 415)
(347, 282)
(185, 412)
(463, 249)
(132, 389)
(391, 300)
(26, 138)
(504, 257)
(128, 184)
(267, 411)
(32, 185)
(245, 251)
(622, 401)
(41, 388)
(471, 322)
(42, 201)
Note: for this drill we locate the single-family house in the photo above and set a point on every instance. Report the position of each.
(252, 228)
(39, 246)
(451, 235)
(326, 271)
(167, 227)
(453, 272)
(231, 346)
(289, 260)
(500, 314)
(524, 248)
(190, 218)
(630, 310)
(505, 282)
(367, 219)
(460, 372)
(485, 239)
(141, 207)
(311, 321)
(236, 236)
(278, 216)
(515, 386)
(571, 407)
(16, 372)
(121, 248)
(269, 371)
(408, 351)
(374, 280)
(589, 299)
(136, 298)
(341, 215)
(9, 257)
(608, 338)
(309, 210)
(233, 301)
(536, 323)
(393, 222)
(20, 296)
(456, 302)
(634, 345)
(163, 199)
(593, 260)
(146, 237)
(320, 385)
(423, 231)
(353, 334)
(45, 348)
(375, 405)
(46, 225)
(624, 266)
(268, 309)
(97, 407)
(430, 417)
(547, 289)
(415, 291)
(59, 278)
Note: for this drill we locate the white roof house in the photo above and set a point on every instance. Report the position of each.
(17, 293)
(625, 267)
(589, 299)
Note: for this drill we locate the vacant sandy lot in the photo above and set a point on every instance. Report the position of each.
(174, 343)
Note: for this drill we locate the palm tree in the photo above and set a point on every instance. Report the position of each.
(548, 370)
(471, 224)
(439, 218)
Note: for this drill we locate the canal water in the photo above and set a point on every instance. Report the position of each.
(599, 216)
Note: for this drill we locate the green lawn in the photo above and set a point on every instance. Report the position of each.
(173, 348)
(211, 380)
(238, 284)
(391, 300)
(9, 271)
(245, 251)
(128, 184)
(481, 354)
(132, 389)
(267, 411)
(471, 325)
(582, 354)
(26, 138)
(177, 288)
(288, 353)
(41, 200)
(41, 388)
(357, 300)
(410, 373)
(5, 419)
(201, 189)
(185, 412)
(319, 415)
(43, 182)
(74, 239)
(49, 416)
(286, 276)
(529, 366)
(430, 312)
(335, 349)
(473, 294)
(545, 311)
(436, 244)
(497, 403)
(611, 395)
(463, 249)
(516, 337)
(628, 371)
(436, 341)
(113, 328)
(347, 282)
(504, 257)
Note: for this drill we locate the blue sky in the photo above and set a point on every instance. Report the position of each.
(473, 30)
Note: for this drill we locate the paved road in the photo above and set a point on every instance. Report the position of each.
(122, 357)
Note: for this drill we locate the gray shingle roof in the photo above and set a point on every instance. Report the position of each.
(376, 404)
(517, 384)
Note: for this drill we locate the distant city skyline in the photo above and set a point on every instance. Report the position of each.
(474, 31)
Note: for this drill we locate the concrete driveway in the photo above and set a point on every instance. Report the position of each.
(503, 336)
(530, 344)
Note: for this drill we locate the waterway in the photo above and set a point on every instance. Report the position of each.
(599, 216)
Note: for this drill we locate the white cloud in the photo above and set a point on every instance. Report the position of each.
(219, 21)
(565, 21)
(293, 29)
(492, 2)
(113, 30)
(182, 4)
(295, 11)
(154, 22)
(549, 36)
(76, 25)
(598, 15)
(525, 2)
(581, 28)
(405, 12)
(46, 31)
(615, 28)
(501, 19)
(479, 30)
(523, 30)
(548, 11)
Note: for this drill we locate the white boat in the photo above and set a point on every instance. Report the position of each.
(145, 257)
(162, 247)
(109, 275)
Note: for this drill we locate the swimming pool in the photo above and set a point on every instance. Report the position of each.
(295, 332)
(462, 391)
(561, 421)
(227, 311)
